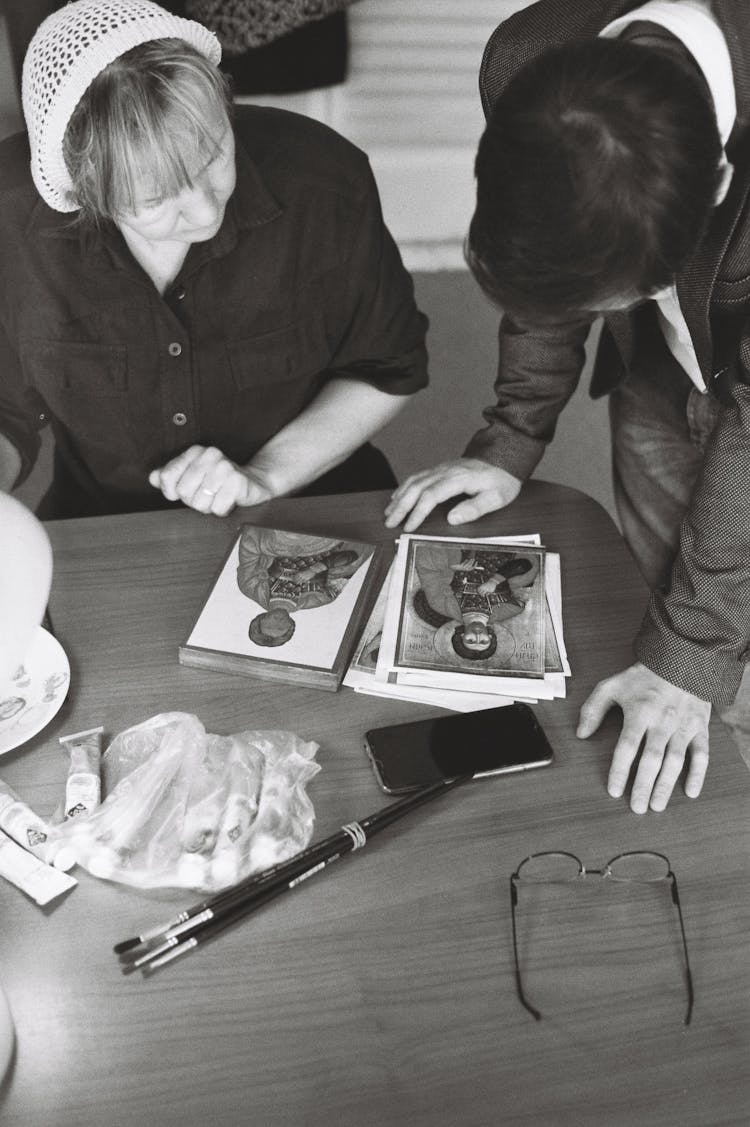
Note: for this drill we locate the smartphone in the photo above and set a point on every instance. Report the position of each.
(492, 741)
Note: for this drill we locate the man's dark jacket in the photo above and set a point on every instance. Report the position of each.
(696, 633)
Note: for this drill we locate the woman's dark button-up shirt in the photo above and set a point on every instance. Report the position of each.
(302, 282)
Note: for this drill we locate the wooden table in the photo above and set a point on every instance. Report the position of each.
(381, 993)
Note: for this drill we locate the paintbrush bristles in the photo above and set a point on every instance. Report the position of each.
(152, 933)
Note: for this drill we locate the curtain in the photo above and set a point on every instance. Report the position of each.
(244, 24)
(276, 46)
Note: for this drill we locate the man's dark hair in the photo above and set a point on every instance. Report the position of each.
(596, 175)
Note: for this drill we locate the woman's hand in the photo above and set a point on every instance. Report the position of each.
(669, 722)
(203, 478)
(489, 488)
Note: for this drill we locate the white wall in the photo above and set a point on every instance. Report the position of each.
(411, 102)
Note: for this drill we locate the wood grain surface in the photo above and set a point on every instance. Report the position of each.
(382, 992)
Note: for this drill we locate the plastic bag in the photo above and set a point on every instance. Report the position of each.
(187, 809)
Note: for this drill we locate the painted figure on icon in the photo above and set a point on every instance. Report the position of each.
(288, 571)
(467, 595)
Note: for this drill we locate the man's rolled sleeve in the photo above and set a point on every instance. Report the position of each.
(21, 411)
(696, 634)
(384, 342)
(538, 371)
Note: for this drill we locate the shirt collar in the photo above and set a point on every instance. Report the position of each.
(252, 203)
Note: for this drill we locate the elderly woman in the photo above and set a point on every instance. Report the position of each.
(202, 300)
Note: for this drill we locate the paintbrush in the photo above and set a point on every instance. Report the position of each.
(301, 861)
(206, 920)
(283, 872)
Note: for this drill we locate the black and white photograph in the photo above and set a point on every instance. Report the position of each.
(374, 463)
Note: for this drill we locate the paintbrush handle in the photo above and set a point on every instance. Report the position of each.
(309, 857)
(350, 837)
(353, 836)
(389, 814)
(207, 927)
(283, 870)
(131, 951)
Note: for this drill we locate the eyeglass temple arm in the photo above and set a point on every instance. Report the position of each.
(519, 985)
(688, 973)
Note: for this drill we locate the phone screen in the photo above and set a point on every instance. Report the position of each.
(492, 741)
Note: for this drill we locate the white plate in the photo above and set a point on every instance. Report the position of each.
(30, 699)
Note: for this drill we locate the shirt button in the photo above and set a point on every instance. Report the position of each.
(180, 295)
(179, 419)
(175, 348)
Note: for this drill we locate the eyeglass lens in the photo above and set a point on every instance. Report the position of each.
(641, 866)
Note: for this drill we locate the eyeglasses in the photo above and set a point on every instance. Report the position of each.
(641, 867)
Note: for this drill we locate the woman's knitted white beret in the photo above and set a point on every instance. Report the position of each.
(70, 48)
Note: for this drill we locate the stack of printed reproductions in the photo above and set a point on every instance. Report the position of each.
(465, 624)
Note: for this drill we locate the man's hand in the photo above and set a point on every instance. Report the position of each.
(204, 479)
(488, 487)
(670, 722)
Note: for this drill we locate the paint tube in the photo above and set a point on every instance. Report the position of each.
(39, 881)
(21, 823)
(238, 816)
(83, 786)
